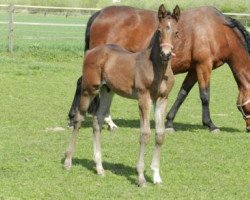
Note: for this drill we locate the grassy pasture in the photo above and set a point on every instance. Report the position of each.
(37, 84)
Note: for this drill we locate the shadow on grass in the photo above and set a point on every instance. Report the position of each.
(116, 168)
(135, 123)
(192, 127)
(178, 126)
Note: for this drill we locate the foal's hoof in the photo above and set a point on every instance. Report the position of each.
(158, 182)
(67, 164)
(170, 130)
(217, 130)
(100, 171)
(142, 182)
(157, 179)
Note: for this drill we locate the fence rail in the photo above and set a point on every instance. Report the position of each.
(15, 8)
(49, 8)
(44, 24)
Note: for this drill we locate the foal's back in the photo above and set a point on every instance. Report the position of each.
(119, 69)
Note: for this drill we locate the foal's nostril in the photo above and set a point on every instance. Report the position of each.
(168, 55)
(165, 56)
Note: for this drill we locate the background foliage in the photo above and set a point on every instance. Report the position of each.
(223, 5)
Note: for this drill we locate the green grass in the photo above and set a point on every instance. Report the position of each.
(37, 85)
(195, 164)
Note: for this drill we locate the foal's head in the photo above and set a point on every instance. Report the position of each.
(167, 30)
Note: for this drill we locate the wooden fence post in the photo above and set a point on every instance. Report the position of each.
(11, 28)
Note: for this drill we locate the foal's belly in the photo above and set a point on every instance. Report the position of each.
(132, 94)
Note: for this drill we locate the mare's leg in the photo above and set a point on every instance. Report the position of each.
(105, 103)
(205, 99)
(72, 112)
(203, 73)
(144, 109)
(160, 108)
(111, 125)
(187, 85)
(70, 150)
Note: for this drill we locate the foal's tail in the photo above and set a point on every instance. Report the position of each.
(76, 100)
(95, 102)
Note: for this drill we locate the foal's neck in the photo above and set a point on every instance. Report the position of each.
(159, 65)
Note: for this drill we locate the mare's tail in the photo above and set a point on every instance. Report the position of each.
(87, 32)
(96, 101)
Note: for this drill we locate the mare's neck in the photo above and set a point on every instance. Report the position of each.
(240, 66)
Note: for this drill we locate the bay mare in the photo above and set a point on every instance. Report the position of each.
(146, 76)
(211, 40)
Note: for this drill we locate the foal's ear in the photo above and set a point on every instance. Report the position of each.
(176, 13)
(162, 12)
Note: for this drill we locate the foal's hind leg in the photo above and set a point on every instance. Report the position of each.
(144, 108)
(160, 108)
(70, 150)
(187, 85)
(105, 102)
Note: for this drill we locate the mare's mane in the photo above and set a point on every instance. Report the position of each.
(233, 23)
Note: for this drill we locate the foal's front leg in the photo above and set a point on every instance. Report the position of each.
(160, 108)
(144, 108)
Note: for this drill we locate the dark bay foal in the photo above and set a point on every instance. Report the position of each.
(146, 76)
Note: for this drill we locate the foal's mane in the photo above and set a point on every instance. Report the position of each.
(233, 23)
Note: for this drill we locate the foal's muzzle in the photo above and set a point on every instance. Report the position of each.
(166, 51)
(165, 57)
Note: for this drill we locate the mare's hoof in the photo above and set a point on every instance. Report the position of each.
(112, 128)
(71, 123)
(67, 164)
(217, 130)
(170, 130)
(248, 129)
